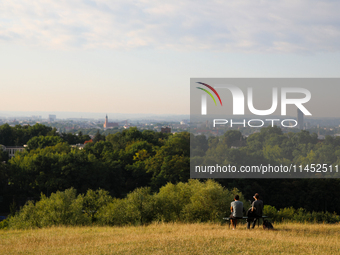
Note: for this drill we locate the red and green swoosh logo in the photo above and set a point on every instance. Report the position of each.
(212, 89)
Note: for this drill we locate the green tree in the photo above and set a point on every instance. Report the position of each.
(232, 136)
(98, 137)
(94, 200)
(7, 137)
(43, 141)
(171, 163)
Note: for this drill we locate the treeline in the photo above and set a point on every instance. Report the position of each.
(193, 201)
(118, 163)
(20, 135)
(269, 146)
(189, 202)
(121, 162)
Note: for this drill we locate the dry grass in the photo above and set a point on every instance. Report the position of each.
(173, 239)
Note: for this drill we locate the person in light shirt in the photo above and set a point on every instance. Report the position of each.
(236, 208)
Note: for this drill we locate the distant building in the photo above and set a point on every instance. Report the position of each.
(78, 145)
(184, 122)
(300, 119)
(52, 118)
(36, 117)
(108, 124)
(11, 150)
(321, 137)
(166, 130)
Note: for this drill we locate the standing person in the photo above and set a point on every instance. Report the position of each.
(236, 208)
(256, 208)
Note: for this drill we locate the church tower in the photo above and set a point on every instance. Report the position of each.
(106, 122)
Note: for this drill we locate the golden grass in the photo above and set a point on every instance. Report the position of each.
(174, 239)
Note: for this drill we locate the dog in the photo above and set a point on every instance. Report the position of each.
(267, 225)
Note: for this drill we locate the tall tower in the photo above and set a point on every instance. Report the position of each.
(106, 121)
(300, 119)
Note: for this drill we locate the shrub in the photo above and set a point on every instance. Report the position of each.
(271, 212)
(194, 201)
(137, 208)
(209, 202)
(61, 208)
(171, 200)
(4, 224)
(300, 215)
(115, 213)
(286, 214)
(93, 201)
(28, 217)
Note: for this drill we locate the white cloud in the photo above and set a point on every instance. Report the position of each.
(239, 25)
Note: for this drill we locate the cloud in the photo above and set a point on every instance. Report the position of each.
(231, 26)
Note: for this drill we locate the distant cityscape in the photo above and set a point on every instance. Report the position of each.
(168, 124)
(103, 125)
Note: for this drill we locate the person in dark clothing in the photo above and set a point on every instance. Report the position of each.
(256, 209)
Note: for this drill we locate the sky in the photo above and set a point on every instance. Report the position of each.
(133, 57)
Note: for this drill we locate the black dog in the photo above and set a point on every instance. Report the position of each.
(267, 225)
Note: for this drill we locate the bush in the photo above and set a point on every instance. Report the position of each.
(93, 201)
(194, 201)
(300, 215)
(28, 217)
(209, 202)
(115, 213)
(171, 200)
(286, 214)
(4, 224)
(271, 212)
(137, 208)
(61, 208)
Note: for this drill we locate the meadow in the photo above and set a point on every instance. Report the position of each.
(174, 238)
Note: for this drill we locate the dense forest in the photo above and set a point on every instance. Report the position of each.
(122, 162)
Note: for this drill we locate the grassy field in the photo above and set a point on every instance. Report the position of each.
(174, 239)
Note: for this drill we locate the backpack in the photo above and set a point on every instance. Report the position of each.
(267, 225)
(251, 214)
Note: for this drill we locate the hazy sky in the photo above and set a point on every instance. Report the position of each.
(138, 56)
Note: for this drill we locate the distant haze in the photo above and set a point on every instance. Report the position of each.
(96, 116)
